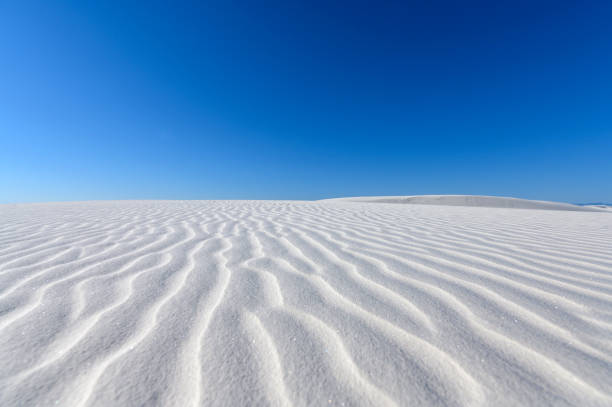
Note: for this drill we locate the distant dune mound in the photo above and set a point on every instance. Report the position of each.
(470, 200)
(600, 205)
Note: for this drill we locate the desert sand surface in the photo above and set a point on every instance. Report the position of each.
(472, 200)
(297, 303)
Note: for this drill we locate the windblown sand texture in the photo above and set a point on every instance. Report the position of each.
(248, 303)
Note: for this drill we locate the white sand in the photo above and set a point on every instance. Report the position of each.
(188, 303)
(471, 200)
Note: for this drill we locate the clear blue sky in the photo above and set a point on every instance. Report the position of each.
(305, 100)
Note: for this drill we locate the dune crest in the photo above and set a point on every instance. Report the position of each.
(468, 200)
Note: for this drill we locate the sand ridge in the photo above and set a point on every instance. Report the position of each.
(472, 200)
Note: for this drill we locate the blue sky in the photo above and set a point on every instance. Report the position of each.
(304, 100)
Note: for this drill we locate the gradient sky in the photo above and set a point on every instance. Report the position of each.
(305, 100)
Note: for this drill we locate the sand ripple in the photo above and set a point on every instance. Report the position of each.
(189, 303)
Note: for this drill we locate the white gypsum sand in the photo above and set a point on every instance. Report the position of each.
(242, 303)
(470, 200)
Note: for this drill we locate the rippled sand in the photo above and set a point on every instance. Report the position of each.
(236, 303)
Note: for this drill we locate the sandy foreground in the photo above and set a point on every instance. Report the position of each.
(243, 303)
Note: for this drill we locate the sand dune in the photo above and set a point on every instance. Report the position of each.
(470, 200)
(236, 303)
